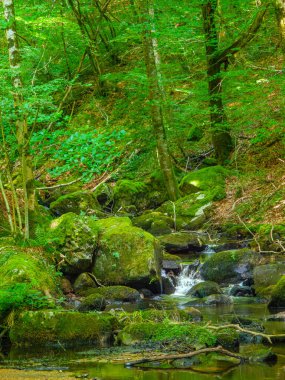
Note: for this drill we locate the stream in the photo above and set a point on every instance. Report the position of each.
(107, 363)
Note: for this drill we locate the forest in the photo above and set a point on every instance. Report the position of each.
(142, 189)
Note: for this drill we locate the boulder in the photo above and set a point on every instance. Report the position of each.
(278, 294)
(76, 238)
(204, 289)
(210, 179)
(155, 223)
(241, 291)
(265, 276)
(115, 293)
(217, 299)
(77, 202)
(130, 193)
(181, 242)
(126, 255)
(229, 266)
(104, 195)
(92, 302)
(83, 281)
(66, 286)
(279, 317)
(61, 328)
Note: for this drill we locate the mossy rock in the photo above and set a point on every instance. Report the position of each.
(26, 280)
(61, 328)
(78, 202)
(204, 289)
(83, 282)
(278, 294)
(161, 332)
(155, 223)
(210, 179)
(130, 193)
(171, 261)
(182, 242)
(229, 339)
(116, 293)
(76, 238)
(212, 300)
(267, 275)
(92, 302)
(189, 212)
(104, 194)
(229, 266)
(195, 133)
(126, 254)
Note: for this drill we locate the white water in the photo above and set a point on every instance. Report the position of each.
(186, 280)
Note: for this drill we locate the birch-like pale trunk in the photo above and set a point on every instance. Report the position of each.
(21, 120)
(280, 16)
(152, 63)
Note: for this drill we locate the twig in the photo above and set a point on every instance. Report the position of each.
(60, 185)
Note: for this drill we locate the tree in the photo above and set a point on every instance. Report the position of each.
(216, 59)
(22, 133)
(280, 15)
(152, 64)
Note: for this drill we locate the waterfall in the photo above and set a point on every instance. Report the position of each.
(186, 279)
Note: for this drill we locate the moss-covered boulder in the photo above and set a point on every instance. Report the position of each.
(78, 202)
(212, 300)
(104, 195)
(76, 238)
(204, 289)
(229, 339)
(92, 302)
(130, 193)
(189, 212)
(61, 328)
(229, 266)
(182, 242)
(190, 334)
(210, 179)
(266, 276)
(155, 223)
(83, 281)
(278, 294)
(126, 254)
(115, 293)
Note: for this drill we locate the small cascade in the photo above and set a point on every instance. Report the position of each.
(186, 279)
(209, 249)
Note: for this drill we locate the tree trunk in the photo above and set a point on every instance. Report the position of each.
(152, 61)
(221, 137)
(21, 120)
(280, 15)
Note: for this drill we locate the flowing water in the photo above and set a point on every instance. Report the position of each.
(186, 280)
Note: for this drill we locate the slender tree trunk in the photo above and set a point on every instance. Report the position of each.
(280, 16)
(221, 137)
(21, 120)
(152, 62)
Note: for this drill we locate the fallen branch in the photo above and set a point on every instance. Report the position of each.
(218, 349)
(268, 337)
(60, 185)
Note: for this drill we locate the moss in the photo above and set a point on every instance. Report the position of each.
(266, 276)
(161, 332)
(46, 327)
(151, 220)
(169, 257)
(126, 253)
(223, 266)
(83, 282)
(278, 294)
(93, 302)
(228, 338)
(104, 195)
(127, 193)
(210, 179)
(116, 293)
(78, 202)
(204, 289)
(76, 238)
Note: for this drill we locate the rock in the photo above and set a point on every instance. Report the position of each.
(92, 302)
(229, 266)
(182, 242)
(78, 202)
(195, 314)
(61, 328)
(189, 212)
(263, 355)
(76, 238)
(130, 193)
(248, 323)
(126, 255)
(171, 262)
(204, 289)
(155, 223)
(278, 294)
(83, 282)
(168, 284)
(241, 291)
(66, 286)
(279, 317)
(265, 276)
(104, 195)
(210, 179)
(217, 299)
(146, 293)
(229, 339)
(115, 293)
